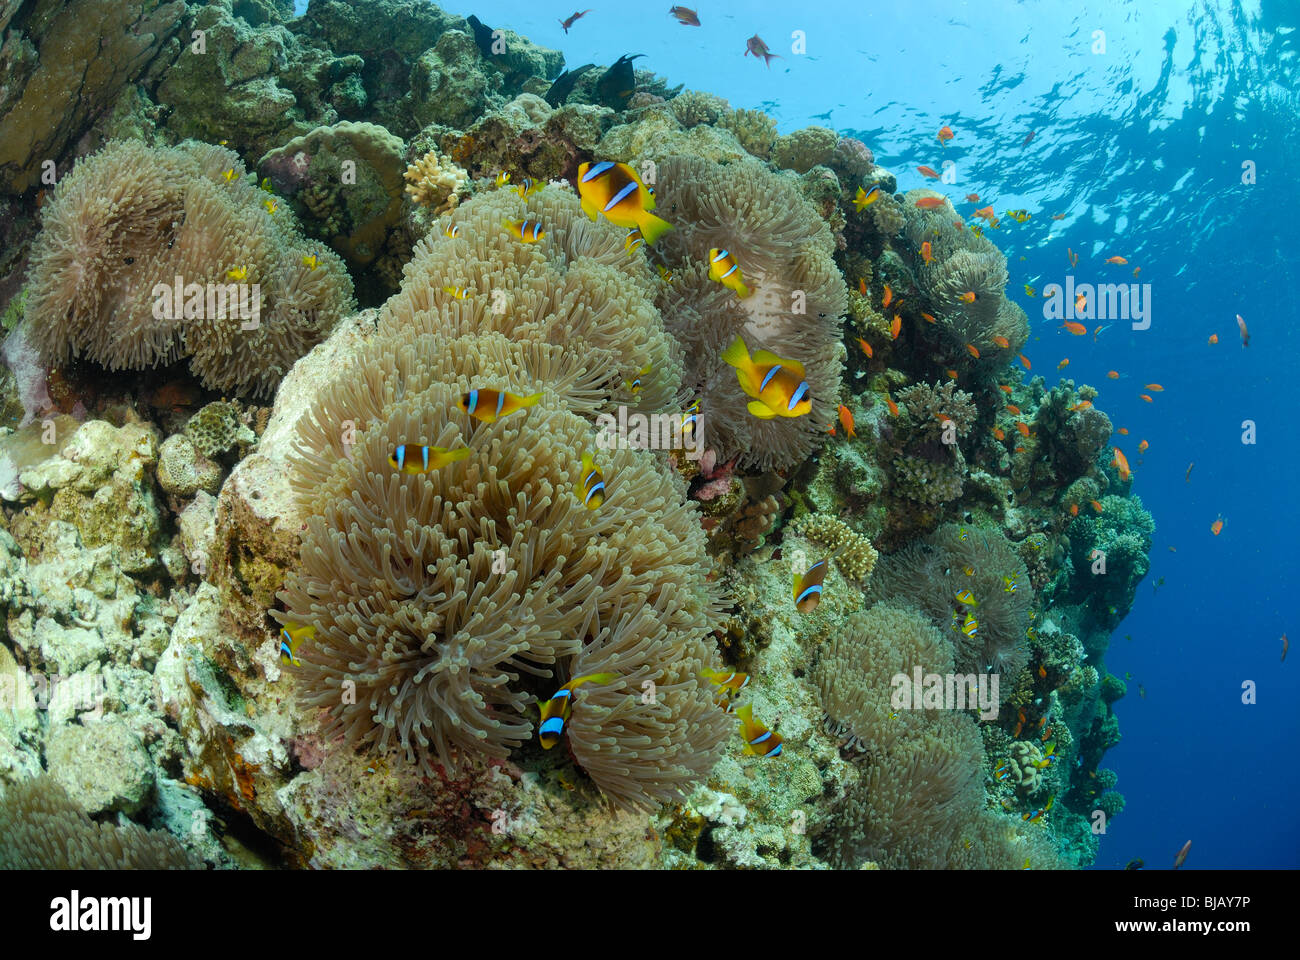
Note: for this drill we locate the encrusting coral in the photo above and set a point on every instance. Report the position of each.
(129, 220)
(42, 829)
(796, 308)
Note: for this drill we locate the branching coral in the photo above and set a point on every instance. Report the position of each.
(42, 829)
(926, 462)
(962, 264)
(432, 181)
(931, 574)
(795, 311)
(129, 220)
(856, 557)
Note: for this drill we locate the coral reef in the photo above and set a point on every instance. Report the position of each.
(434, 182)
(854, 554)
(128, 221)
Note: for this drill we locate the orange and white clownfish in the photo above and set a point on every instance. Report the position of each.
(808, 587)
(615, 190)
(490, 406)
(759, 740)
(777, 385)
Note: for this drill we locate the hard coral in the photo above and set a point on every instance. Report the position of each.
(434, 182)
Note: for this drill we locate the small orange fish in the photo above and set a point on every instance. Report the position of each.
(944, 135)
(1025, 361)
(866, 348)
(1214, 338)
(1136, 271)
(1143, 447)
(959, 225)
(1042, 670)
(952, 374)
(1146, 397)
(1072, 256)
(830, 428)
(930, 203)
(1023, 428)
(896, 327)
(1120, 260)
(970, 348)
(973, 197)
(1002, 342)
(1058, 216)
(846, 420)
(1074, 509)
(1245, 334)
(986, 213)
(1081, 304)
(926, 252)
(967, 297)
(998, 434)
(862, 286)
(1013, 409)
(1113, 374)
(1081, 405)
(927, 172)
(893, 407)
(1063, 364)
(1097, 331)
(1004, 387)
(1077, 329)
(1095, 505)
(1155, 388)
(928, 319)
(1123, 430)
(1217, 526)
(1020, 449)
(888, 297)
(1120, 463)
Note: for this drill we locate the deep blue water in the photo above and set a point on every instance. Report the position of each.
(1141, 147)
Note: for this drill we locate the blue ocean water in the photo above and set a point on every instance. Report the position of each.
(1145, 117)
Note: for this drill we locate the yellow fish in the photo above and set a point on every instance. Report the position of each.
(1030, 291)
(489, 406)
(502, 179)
(556, 711)
(271, 205)
(291, 635)
(416, 460)
(459, 293)
(229, 175)
(777, 386)
(238, 274)
(866, 198)
(724, 269)
(528, 187)
(452, 230)
(593, 484)
(310, 261)
(634, 385)
(266, 185)
(665, 274)
(529, 231)
(967, 598)
(634, 240)
(613, 189)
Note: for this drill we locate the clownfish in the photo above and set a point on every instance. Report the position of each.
(690, 421)
(966, 597)
(430, 458)
(634, 385)
(452, 230)
(502, 179)
(615, 190)
(634, 240)
(866, 198)
(1002, 771)
(290, 637)
(759, 740)
(1037, 815)
(528, 187)
(732, 682)
(971, 627)
(724, 269)
(555, 711)
(529, 231)
(593, 483)
(777, 386)
(489, 406)
(808, 587)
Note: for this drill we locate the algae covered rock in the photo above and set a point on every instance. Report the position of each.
(183, 471)
(102, 765)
